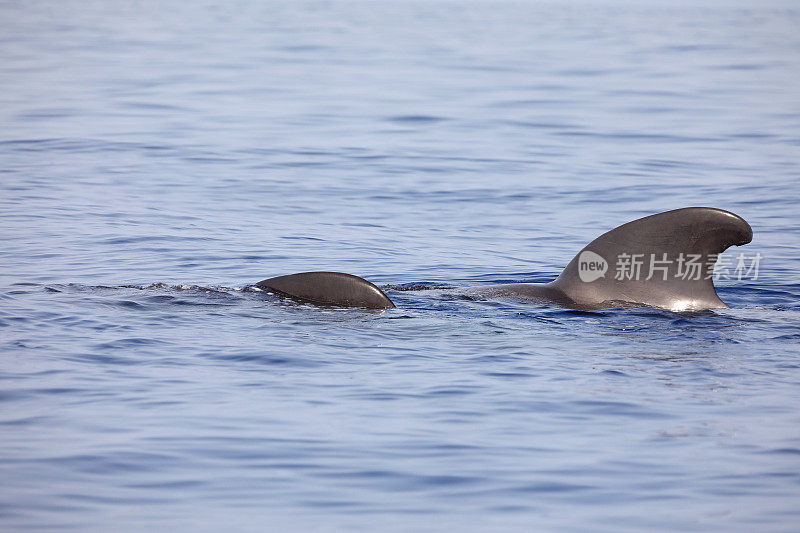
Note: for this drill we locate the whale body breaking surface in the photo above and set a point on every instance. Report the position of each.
(664, 261)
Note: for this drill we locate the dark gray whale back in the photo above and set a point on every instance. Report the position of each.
(664, 260)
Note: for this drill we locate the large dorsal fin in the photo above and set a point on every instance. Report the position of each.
(671, 243)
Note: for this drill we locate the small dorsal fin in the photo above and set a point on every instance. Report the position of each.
(329, 288)
(664, 260)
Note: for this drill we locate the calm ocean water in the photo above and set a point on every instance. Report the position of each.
(156, 158)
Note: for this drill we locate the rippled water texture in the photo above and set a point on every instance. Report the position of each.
(158, 158)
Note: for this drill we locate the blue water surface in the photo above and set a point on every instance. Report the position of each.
(158, 158)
